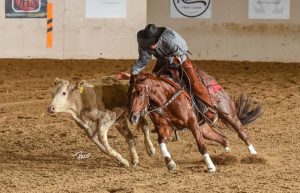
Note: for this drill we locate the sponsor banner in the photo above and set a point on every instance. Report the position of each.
(106, 8)
(269, 9)
(190, 8)
(25, 8)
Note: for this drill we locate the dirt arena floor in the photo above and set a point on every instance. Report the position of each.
(37, 149)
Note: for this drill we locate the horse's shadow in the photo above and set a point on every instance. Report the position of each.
(229, 159)
(226, 159)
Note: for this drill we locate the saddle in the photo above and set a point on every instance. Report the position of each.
(174, 75)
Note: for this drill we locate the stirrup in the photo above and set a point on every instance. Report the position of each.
(215, 119)
(208, 120)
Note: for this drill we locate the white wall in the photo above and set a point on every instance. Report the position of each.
(230, 35)
(74, 36)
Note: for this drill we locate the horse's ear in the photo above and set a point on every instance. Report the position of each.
(133, 79)
(142, 78)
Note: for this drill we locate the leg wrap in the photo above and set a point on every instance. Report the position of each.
(164, 150)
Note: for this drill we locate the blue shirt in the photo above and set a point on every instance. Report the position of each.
(169, 45)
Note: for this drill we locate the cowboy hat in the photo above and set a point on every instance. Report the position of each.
(150, 35)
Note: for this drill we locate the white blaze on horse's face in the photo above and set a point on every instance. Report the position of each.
(61, 101)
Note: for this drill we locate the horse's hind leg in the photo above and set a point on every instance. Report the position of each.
(143, 123)
(237, 126)
(122, 127)
(211, 134)
(232, 119)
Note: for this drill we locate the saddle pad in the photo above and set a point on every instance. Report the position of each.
(212, 85)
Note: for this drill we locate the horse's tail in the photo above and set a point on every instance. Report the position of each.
(246, 109)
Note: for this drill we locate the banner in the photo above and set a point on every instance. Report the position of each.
(25, 8)
(269, 9)
(105, 8)
(190, 8)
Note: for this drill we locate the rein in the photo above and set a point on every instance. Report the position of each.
(159, 109)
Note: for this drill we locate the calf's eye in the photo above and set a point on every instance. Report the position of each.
(64, 93)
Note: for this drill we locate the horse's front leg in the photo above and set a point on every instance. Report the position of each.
(163, 134)
(200, 142)
(143, 124)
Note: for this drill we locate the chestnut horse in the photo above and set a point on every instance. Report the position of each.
(170, 108)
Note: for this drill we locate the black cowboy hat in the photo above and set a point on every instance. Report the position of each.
(150, 35)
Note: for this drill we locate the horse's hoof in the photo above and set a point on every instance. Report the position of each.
(227, 149)
(171, 165)
(252, 150)
(211, 170)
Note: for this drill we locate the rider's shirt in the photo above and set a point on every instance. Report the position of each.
(169, 45)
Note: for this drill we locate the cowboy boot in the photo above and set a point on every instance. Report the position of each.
(200, 90)
(202, 93)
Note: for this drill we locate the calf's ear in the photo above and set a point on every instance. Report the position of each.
(85, 84)
(72, 87)
(59, 81)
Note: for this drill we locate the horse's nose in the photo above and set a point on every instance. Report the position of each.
(51, 109)
(134, 118)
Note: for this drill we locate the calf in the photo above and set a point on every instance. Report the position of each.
(96, 108)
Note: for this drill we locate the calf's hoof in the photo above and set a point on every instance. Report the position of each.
(151, 151)
(134, 162)
(125, 163)
(227, 149)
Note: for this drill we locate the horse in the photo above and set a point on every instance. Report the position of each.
(170, 108)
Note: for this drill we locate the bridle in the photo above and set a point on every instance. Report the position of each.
(159, 109)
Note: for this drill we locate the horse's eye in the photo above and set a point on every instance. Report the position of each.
(141, 94)
(64, 93)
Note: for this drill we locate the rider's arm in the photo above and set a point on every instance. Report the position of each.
(144, 58)
(177, 52)
(176, 46)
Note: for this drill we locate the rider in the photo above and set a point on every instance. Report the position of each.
(168, 47)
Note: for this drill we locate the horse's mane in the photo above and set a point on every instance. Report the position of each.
(145, 76)
(142, 77)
